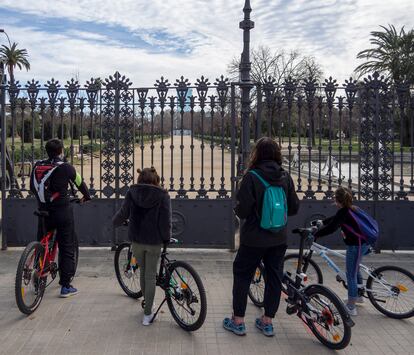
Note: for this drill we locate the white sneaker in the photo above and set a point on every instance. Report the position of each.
(351, 310)
(358, 301)
(147, 320)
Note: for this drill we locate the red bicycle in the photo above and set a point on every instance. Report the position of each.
(36, 264)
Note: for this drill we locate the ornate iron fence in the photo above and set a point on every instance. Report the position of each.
(110, 129)
(358, 135)
(199, 136)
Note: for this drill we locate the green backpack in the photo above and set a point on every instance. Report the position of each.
(274, 207)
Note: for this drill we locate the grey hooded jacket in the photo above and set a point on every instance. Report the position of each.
(148, 209)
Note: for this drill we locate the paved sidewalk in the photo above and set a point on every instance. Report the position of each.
(102, 320)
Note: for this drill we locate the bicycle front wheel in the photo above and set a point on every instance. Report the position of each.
(186, 296)
(309, 267)
(328, 319)
(29, 287)
(127, 271)
(257, 287)
(391, 291)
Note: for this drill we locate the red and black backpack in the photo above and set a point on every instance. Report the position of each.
(42, 172)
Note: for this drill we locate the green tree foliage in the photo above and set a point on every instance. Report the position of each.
(14, 57)
(392, 53)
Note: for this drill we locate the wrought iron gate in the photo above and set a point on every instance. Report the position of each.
(111, 129)
(198, 136)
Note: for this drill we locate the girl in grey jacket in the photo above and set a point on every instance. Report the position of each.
(147, 206)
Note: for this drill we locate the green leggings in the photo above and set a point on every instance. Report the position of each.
(147, 258)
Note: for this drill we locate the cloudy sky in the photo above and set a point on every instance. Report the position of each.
(147, 39)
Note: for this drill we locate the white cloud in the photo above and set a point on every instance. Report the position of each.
(332, 31)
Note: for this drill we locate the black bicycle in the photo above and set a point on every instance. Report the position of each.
(316, 305)
(184, 291)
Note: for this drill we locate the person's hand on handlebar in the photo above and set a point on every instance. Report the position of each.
(313, 229)
(317, 223)
(171, 241)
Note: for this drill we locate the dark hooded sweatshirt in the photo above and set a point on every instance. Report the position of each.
(148, 209)
(249, 205)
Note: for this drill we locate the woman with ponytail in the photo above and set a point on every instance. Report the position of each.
(147, 206)
(356, 247)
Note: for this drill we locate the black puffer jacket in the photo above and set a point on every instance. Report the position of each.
(249, 204)
(341, 218)
(148, 209)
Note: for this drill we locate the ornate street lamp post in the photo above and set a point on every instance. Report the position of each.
(3, 31)
(245, 85)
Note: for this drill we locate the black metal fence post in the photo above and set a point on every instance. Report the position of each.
(117, 137)
(233, 173)
(376, 146)
(258, 133)
(245, 84)
(3, 151)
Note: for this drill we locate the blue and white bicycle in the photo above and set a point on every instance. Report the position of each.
(389, 288)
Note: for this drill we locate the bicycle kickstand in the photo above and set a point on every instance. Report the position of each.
(158, 309)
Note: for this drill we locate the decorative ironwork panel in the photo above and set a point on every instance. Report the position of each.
(376, 178)
(108, 140)
(126, 140)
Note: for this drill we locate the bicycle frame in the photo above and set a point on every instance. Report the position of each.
(295, 291)
(295, 285)
(323, 252)
(48, 257)
(163, 277)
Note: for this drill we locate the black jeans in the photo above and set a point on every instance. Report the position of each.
(63, 221)
(244, 267)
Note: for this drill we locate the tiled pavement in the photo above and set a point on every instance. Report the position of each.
(102, 320)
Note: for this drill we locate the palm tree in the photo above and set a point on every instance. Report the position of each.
(393, 53)
(14, 57)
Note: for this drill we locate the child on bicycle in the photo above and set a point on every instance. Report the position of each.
(356, 246)
(148, 208)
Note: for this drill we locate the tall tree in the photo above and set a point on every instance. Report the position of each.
(279, 65)
(14, 57)
(392, 54)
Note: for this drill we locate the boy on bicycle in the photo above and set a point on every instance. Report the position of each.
(49, 182)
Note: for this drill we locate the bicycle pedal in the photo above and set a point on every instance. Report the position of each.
(291, 309)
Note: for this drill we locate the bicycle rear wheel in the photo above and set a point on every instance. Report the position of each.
(127, 271)
(328, 319)
(257, 286)
(392, 291)
(29, 287)
(186, 296)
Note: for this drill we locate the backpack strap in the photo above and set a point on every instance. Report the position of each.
(352, 230)
(263, 181)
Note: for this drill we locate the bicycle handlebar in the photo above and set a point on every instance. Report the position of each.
(305, 231)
